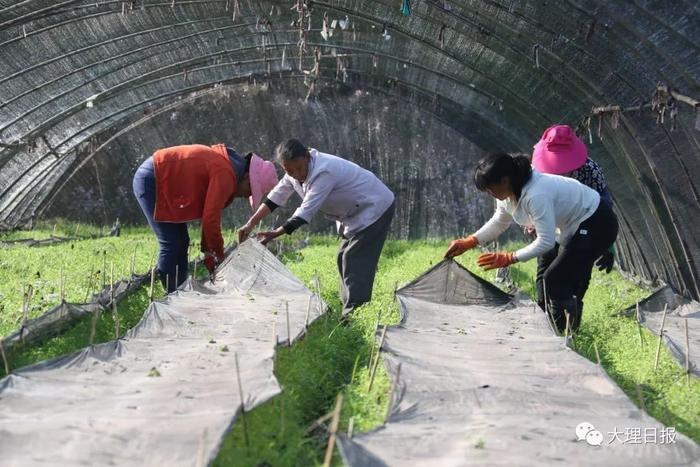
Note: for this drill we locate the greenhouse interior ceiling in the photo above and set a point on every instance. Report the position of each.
(417, 91)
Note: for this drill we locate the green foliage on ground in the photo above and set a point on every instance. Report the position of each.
(84, 271)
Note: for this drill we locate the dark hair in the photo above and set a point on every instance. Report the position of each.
(494, 167)
(290, 150)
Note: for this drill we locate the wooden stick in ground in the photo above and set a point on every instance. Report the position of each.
(334, 431)
(394, 385)
(177, 275)
(568, 323)
(639, 326)
(104, 269)
(202, 450)
(687, 354)
(4, 358)
(351, 426)
(376, 359)
(597, 355)
(93, 324)
(661, 336)
(640, 396)
(153, 278)
(371, 342)
(289, 330)
(308, 311)
(77, 227)
(61, 286)
(240, 392)
(132, 265)
(111, 281)
(115, 316)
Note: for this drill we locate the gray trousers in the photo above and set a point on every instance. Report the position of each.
(357, 261)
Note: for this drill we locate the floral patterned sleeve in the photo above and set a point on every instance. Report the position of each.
(591, 175)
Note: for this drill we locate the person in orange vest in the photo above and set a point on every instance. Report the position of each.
(192, 182)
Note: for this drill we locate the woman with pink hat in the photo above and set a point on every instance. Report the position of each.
(185, 183)
(560, 152)
(355, 198)
(587, 227)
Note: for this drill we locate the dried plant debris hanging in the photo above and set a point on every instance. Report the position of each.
(664, 103)
(303, 24)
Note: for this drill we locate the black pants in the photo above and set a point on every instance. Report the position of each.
(357, 261)
(564, 272)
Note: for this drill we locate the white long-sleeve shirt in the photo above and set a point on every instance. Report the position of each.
(341, 190)
(547, 202)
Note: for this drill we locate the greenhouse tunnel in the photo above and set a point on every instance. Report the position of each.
(416, 91)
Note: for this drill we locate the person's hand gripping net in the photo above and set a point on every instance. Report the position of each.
(459, 246)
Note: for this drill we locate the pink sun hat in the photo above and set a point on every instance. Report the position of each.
(263, 178)
(559, 151)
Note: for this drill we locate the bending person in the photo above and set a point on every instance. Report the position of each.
(355, 198)
(185, 183)
(548, 202)
(560, 152)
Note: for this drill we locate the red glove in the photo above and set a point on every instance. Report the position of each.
(459, 246)
(211, 262)
(496, 260)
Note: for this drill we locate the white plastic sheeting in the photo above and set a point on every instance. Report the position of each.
(480, 379)
(167, 393)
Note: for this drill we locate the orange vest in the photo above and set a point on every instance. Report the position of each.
(195, 182)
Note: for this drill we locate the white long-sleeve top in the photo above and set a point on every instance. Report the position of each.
(547, 202)
(341, 190)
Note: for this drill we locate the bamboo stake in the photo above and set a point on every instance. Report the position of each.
(93, 324)
(240, 392)
(111, 281)
(640, 396)
(394, 385)
(334, 430)
(61, 286)
(319, 422)
(639, 326)
(104, 269)
(308, 311)
(4, 358)
(289, 331)
(202, 449)
(177, 274)
(153, 277)
(376, 359)
(597, 355)
(687, 355)
(77, 227)
(89, 285)
(351, 426)
(194, 271)
(115, 315)
(371, 343)
(132, 265)
(567, 329)
(661, 335)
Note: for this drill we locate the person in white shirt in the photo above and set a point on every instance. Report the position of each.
(355, 198)
(546, 202)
